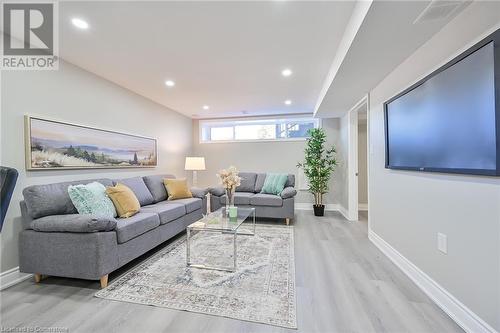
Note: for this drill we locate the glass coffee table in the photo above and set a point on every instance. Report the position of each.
(219, 221)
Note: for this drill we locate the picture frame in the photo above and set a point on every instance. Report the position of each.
(57, 145)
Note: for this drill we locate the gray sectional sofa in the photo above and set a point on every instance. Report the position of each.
(58, 241)
(248, 195)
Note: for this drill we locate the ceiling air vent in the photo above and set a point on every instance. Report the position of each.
(439, 10)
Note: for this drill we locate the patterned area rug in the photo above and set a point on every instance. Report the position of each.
(262, 289)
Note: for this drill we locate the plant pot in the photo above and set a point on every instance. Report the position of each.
(319, 210)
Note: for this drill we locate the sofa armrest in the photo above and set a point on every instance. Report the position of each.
(217, 191)
(288, 192)
(73, 223)
(79, 255)
(25, 217)
(199, 192)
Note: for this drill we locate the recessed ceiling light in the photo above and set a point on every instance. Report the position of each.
(286, 72)
(206, 107)
(288, 102)
(79, 23)
(169, 83)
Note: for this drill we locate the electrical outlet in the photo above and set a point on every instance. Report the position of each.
(442, 243)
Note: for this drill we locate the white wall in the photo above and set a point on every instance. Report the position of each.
(74, 95)
(279, 156)
(408, 209)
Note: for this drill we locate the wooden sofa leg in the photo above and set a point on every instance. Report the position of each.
(104, 281)
(38, 277)
(287, 221)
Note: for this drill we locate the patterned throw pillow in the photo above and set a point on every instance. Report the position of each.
(91, 199)
(274, 183)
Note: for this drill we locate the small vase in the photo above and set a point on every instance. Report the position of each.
(233, 214)
(229, 198)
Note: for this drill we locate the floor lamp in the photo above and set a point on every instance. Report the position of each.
(195, 164)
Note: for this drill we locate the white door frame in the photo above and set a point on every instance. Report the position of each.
(352, 157)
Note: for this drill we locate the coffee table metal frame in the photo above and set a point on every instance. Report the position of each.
(234, 231)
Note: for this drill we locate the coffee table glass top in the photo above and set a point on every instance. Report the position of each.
(220, 220)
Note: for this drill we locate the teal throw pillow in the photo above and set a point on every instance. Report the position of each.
(91, 199)
(274, 183)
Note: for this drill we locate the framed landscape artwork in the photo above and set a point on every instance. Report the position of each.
(52, 145)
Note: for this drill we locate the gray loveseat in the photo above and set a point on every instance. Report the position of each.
(58, 241)
(248, 195)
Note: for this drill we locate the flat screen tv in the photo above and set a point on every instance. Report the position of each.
(450, 120)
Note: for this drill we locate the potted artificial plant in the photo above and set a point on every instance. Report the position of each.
(319, 164)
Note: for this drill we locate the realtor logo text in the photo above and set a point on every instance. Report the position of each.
(30, 39)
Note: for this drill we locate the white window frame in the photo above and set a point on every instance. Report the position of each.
(246, 120)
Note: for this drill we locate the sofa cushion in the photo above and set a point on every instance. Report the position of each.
(124, 199)
(240, 198)
(261, 178)
(177, 189)
(53, 199)
(156, 186)
(91, 199)
(73, 223)
(259, 182)
(261, 199)
(167, 212)
(141, 191)
(275, 183)
(288, 192)
(247, 183)
(136, 225)
(191, 204)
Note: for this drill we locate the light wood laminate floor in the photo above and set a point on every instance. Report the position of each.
(344, 284)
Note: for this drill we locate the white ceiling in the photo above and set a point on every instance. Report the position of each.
(228, 55)
(384, 39)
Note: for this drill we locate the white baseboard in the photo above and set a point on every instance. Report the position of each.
(12, 277)
(328, 207)
(457, 311)
(303, 206)
(309, 206)
(344, 212)
(363, 206)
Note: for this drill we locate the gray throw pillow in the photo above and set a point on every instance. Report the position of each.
(136, 184)
(247, 183)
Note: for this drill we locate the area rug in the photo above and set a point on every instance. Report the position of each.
(262, 289)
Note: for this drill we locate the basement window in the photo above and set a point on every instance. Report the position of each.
(257, 129)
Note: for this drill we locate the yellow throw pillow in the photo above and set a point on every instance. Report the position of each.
(177, 188)
(124, 199)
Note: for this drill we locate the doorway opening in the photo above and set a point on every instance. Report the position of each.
(358, 160)
(363, 164)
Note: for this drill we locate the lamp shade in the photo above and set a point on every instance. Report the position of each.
(195, 163)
